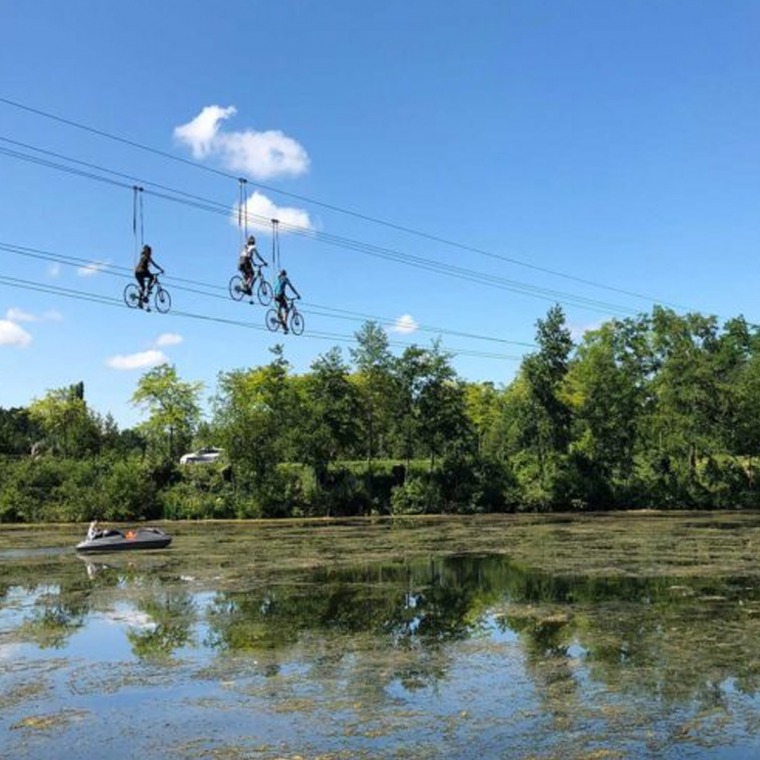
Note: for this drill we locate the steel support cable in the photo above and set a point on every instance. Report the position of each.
(107, 268)
(191, 200)
(275, 245)
(243, 211)
(106, 301)
(385, 253)
(316, 309)
(60, 291)
(334, 313)
(60, 167)
(335, 208)
(137, 212)
(366, 248)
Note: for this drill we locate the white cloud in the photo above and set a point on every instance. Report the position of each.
(202, 132)
(19, 315)
(140, 360)
(12, 334)
(168, 339)
(54, 270)
(261, 210)
(88, 270)
(263, 155)
(15, 314)
(578, 331)
(405, 324)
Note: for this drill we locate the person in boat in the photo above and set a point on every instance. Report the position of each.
(93, 531)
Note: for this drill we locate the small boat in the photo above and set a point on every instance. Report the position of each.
(113, 540)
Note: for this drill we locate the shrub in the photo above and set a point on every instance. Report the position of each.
(418, 495)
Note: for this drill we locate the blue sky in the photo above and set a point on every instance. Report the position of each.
(603, 155)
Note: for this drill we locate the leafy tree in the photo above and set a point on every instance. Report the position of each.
(441, 404)
(544, 373)
(486, 410)
(744, 439)
(256, 412)
(409, 373)
(687, 391)
(374, 378)
(18, 431)
(330, 428)
(67, 424)
(173, 407)
(606, 396)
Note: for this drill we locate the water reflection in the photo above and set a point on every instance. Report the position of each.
(585, 648)
(650, 624)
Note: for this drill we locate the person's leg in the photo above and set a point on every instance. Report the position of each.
(282, 312)
(140, 277)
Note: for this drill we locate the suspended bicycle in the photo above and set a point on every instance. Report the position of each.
(161, 298)
(293, 321)
(238, 289)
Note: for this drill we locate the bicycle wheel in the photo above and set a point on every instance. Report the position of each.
(296, 322)
(237, 289)
(272, 320)
(162, 300)
(265, 293)
(132, 295)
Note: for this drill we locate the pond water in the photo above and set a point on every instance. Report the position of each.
(599, 636)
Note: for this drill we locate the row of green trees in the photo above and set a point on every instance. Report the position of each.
(660, 410)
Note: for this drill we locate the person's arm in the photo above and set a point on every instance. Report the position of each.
(298, 295)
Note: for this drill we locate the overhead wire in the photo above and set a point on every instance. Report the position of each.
(335, 208)
(369, 249)
(32, 285)
(121, 271)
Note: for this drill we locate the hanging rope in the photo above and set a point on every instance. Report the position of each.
(243, 209)
(137, 212)
(276, 244)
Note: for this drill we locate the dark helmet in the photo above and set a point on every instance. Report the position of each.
(283, 273)
(146, 248)
(251, 239)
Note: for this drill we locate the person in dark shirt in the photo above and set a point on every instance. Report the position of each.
(143, 273)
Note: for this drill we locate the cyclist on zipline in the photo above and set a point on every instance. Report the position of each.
(143, 273)
(249, 257)
(280, 296)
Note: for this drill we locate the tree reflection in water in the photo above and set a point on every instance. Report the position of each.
(365, 634)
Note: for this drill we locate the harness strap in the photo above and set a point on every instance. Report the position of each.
(243, 209)
(276, 244)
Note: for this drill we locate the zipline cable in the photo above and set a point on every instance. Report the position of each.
(319, 310)
(331, 207)
(110, 301)
(406, 259)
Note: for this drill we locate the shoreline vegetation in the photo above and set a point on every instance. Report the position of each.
(659, 411)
